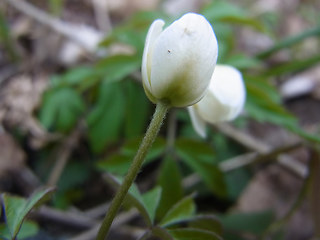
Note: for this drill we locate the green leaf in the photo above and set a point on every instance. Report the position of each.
(73, 77)
(264, 111)
(182, 210)
(116, 164)
(4, 232)
(264, 103)
(206, 222)
(151, 201)
(193, 234)
(133, 31)
(170, 181)
(255, 223)
(261, 89)
(288, 42)
(293, 66)
(137, 109)
(302, 133)
(56, 6)
(241, 61)
(237, 181)
(120, 162)
(133, 198)
(223, 11)
(115, 68)
(106, 118)
(156, 150)
(162, 233)
(196, 148)
(61, 109)
(17, 208)
(28, 229)
(199, 157)
(74, 174)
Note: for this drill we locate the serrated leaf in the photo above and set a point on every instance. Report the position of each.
(28, 229)
(133, 198)
(162, 233)
(17, 208)
(106, 118)
(262, 89)
(196, 148)
(193, 234)
(61, 109)
(151, 201)
(116, 164)
(132, 145)
(4, 232)
(137, 110)
(293, 66)
(182, 210)
(115, 68)
(288, 42)
(73, 77)
(240, 61)
(255, 223)
(133, 31)
(120, 162)
(263, 111)
(13, 207)
(170, 181)
(199, 157)
(74, 174)
(206, 222)
(222, 11)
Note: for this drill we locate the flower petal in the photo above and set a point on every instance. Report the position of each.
(184, 56)
(153, 33)
(225, 97)
(198, 123)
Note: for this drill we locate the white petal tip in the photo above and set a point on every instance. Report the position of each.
(198, 123)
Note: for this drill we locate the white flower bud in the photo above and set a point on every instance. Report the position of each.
(223, 101)
(178, 61)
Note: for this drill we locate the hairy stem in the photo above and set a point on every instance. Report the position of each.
(145, 145)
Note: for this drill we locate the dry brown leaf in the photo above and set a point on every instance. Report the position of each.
(12, 156)
(19, 99)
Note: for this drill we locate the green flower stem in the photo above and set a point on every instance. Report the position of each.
(145, 145)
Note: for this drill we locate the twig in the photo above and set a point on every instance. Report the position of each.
(67, 148)
(66, 29)
(102, 15)
(250, 158)
(256, 145)
(98, 211)
(65, 218)
(120, 220)
(241, 161)
(28, 181)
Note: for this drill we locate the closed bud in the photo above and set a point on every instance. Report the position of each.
(223, 101)
(178, 61)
